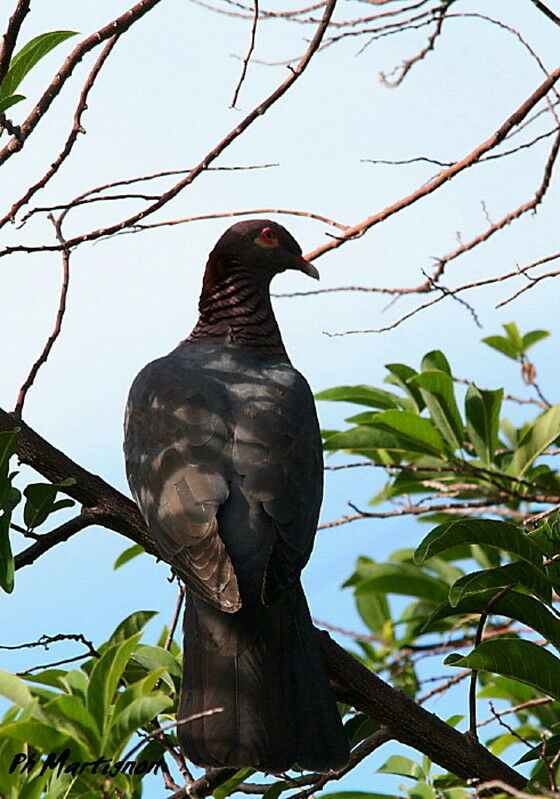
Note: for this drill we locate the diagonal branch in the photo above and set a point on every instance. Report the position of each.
(9, 38)
(87, 517)
(514, 119)
(57, 325)
(249, 53)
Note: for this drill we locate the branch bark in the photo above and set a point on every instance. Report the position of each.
(406, 721)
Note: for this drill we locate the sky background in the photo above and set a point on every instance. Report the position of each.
(161, 102)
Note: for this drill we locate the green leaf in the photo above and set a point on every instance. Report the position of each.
(499, 535)
(40, 501)
(514, 335)
(516, 658)
(551, 747)
(374, 610)
(8, 102)
(503, 345)
(535, 440)
(105, 677)
(69, 714)
(14, 689)
(435, 360)
(399, 375)
(514, 605)
(276, 789)
(128, 554)
(7, 565)
(415, 433)
(132, 718)
(400, 578)
(230, 785)
(367, 439)
(44, 737)
(532, 337)
(363, 395)
(130, 626)
(519, 572)
(137, 689)
(436, 388)
(28, 56)
(8, 447)
(403, 766)
(154, 657)
(482, 410)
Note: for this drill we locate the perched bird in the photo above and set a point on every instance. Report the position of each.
(223, 455)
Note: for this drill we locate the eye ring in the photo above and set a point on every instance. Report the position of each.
(268, 235)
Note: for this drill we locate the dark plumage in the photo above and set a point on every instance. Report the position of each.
(223, 455)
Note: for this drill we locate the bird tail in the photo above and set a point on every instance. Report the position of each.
(263, 668)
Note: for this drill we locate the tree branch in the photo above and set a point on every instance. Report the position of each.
(446, 174)
(9, 38)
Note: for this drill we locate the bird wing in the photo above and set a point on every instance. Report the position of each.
(277, 451)
(220, 450)
(175, 443)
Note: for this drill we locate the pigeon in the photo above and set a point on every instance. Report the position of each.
(224, 459)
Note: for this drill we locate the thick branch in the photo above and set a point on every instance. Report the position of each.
(409, 723)
(119, 513)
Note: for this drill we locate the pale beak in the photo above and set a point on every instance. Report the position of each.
(306, 267)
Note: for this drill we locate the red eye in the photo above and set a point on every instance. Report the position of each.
(268, 235)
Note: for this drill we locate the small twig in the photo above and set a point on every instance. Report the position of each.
(9, 38)
(87, 517)
(210, 156)
(474, 672)
(57, 326)
(171, 725)
(175, 618)
(541, 700)
(46, 640)
(249, 52)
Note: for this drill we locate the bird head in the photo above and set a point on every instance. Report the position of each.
(259, 247)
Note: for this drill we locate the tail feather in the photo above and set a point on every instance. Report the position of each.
(263, 667)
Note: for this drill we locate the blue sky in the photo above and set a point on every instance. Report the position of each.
(161, 102)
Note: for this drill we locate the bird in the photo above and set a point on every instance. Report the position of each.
(224, 459)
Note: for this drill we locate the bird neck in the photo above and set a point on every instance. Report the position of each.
(238, 311)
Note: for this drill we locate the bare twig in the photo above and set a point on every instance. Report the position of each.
(57, 326)
(9, 38)
(249, 52)
(175, 618)
(87, 517)
(446, 174)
